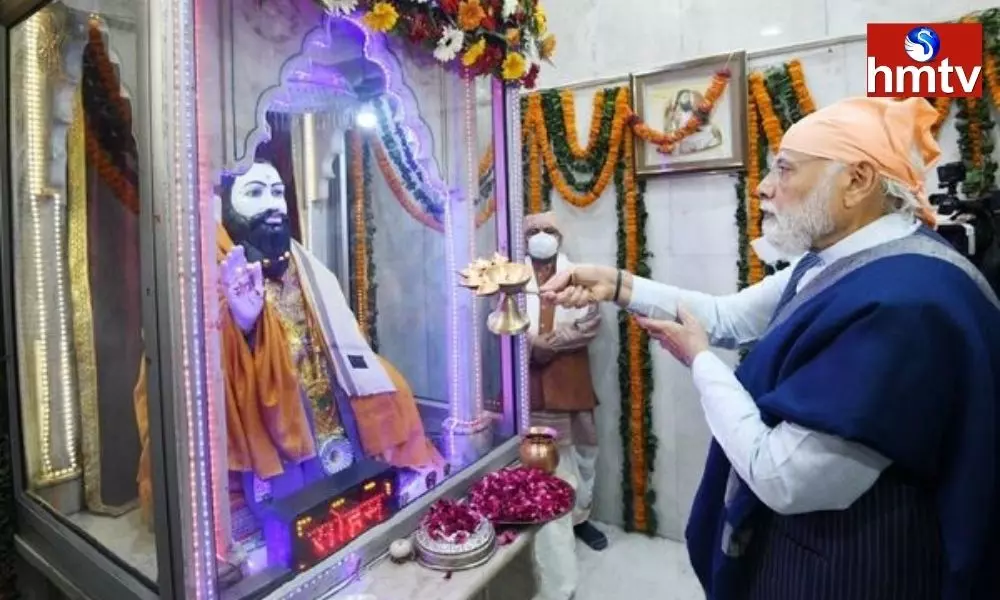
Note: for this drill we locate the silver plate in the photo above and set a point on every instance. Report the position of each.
(443, 555)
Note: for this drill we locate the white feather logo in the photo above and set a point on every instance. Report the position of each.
(920, 47)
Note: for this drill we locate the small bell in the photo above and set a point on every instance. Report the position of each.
(507, 318)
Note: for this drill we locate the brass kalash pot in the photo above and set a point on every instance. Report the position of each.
(539, 450)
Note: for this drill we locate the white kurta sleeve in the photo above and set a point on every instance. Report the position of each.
(790, 468)
(731, 320)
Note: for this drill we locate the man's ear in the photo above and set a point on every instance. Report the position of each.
(863, 182)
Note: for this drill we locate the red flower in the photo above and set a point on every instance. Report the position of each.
(491, 59)
(450, 7)
(489, 23)
(420, 28)
(529, 79)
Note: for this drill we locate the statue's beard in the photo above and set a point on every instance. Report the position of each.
(264, 241)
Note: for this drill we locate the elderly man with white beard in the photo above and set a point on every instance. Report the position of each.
(855, 450)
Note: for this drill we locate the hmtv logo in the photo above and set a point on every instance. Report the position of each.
(927, 61)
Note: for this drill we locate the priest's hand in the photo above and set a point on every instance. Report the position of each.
(582, 285)
(685, 339)
(243, 286)
(542, 351)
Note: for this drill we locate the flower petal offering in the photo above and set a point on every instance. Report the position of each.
(450, 521)
(521, 495)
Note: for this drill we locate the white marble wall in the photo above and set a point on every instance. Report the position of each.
(691, 227)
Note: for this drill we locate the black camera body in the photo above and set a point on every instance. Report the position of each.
(972, 226)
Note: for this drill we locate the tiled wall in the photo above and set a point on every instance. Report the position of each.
(691, 228)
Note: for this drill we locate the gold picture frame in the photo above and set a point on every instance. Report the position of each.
(664, 98)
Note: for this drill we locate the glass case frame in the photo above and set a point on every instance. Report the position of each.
(172, 193)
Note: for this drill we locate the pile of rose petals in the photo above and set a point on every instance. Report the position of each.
(521, 495)
(451, 521)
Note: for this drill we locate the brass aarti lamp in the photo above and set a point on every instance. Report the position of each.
(490, 277)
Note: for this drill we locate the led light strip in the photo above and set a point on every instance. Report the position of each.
(222, 518)
(35, 104)
(454, 350)
(62, 314)
(516, 205)
(191, 315)
(472, 193)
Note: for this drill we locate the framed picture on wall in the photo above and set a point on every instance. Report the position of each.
(667, 99)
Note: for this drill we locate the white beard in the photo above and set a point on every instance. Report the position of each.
(794, 230)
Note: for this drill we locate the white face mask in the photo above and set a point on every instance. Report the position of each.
(543, 246)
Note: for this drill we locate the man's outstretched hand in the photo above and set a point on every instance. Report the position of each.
(685, 339)
(583, 285)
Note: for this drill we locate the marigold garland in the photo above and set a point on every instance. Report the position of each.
(755, 267)
(768, 119)
(536, 122)
(802, 93)
(974, 120)
(635, 379)
(400, 192)
(107, 91)
(357, 147)
(568, 102)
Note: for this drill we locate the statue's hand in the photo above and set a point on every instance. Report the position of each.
(243, 285)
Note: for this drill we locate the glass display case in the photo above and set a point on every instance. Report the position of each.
(241, 362)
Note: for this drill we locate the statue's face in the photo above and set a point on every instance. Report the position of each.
(259, 190)
(257, 218)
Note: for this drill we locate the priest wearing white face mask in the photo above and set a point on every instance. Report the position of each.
(562, 393)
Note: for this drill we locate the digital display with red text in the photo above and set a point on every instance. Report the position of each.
(326, 529)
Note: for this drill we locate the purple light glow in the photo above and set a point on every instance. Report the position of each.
(376, 49)
(500, 151)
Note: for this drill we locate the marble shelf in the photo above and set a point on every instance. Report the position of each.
(409, 581)
(385, 580)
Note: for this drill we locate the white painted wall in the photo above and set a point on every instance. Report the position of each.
(691, 227)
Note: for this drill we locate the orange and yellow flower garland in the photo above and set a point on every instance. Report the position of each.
(535, 172)
(992, 79)
(538, 138)
(399, 190)
(798, 78)
(638, 353)
(754, 264)
(358, 146)
(768, 119)
(568, 102)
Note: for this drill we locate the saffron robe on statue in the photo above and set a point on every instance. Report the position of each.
(896, 348)
(267, 423)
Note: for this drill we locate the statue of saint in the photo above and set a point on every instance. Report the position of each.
(305, 394)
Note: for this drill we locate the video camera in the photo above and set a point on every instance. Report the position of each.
(972, 226)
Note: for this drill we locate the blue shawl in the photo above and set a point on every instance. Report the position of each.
(896, 348)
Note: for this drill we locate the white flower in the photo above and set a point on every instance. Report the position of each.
(531, 49)
(449, 45)
(340, 7)
(510, 7)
